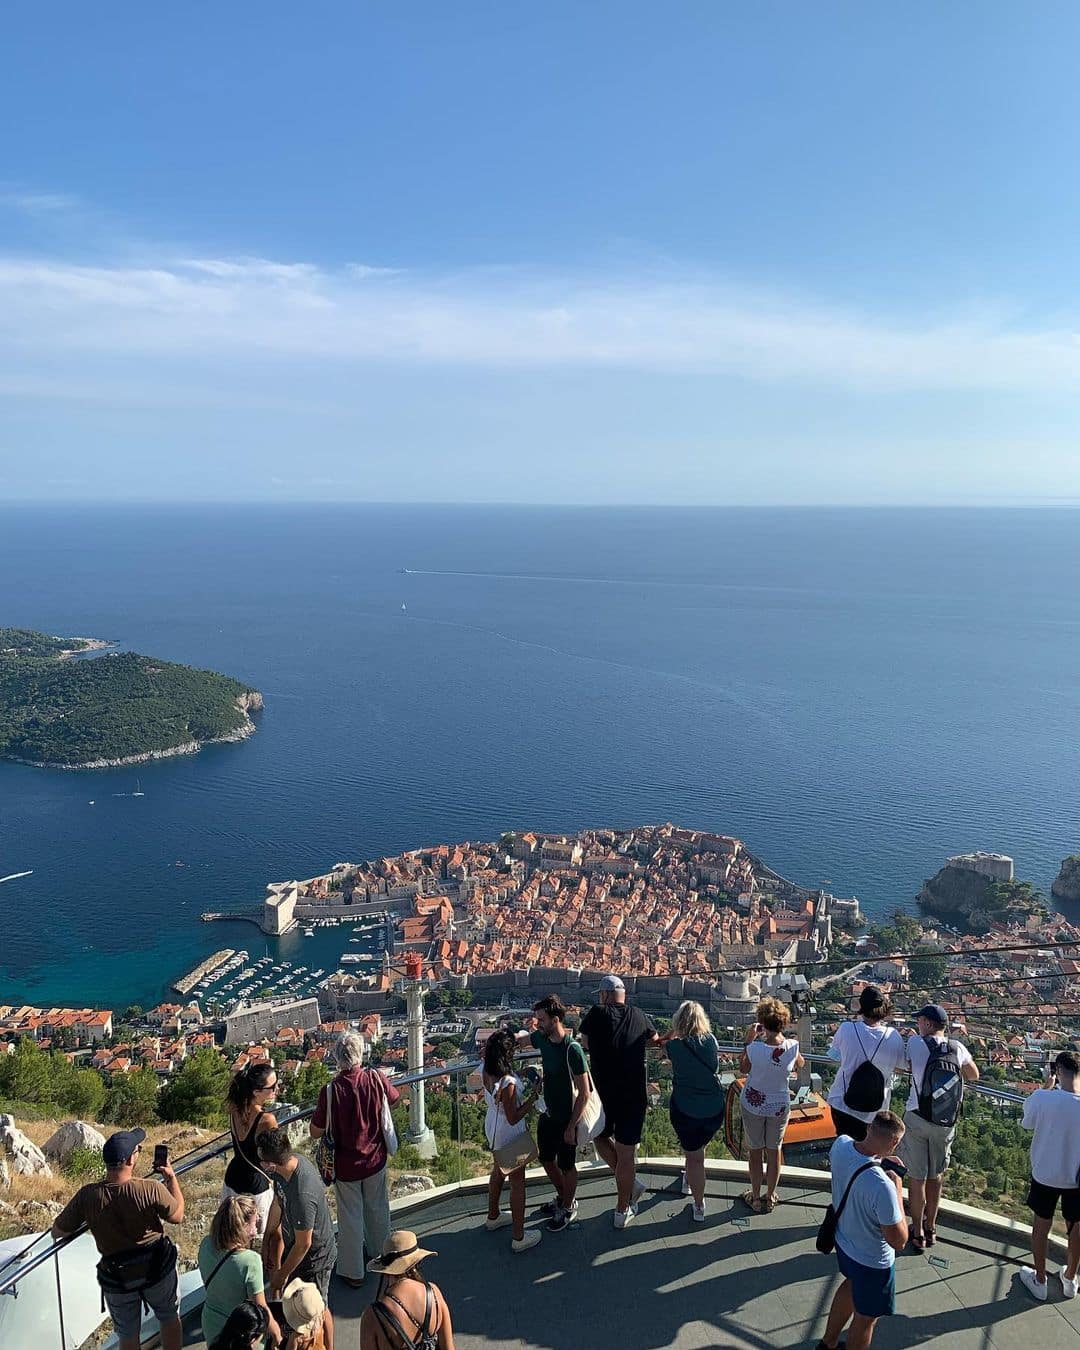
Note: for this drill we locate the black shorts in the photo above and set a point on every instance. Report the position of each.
(625, 1124)
(552, 1147)
(694, 1132)
(1042, 1201)
(852, 1126)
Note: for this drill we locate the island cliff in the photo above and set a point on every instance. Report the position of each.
(59, 711)
(973, 891)
(1067, 882)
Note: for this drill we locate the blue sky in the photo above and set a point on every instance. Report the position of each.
(612, 252)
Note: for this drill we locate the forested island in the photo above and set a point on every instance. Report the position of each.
(109, 709)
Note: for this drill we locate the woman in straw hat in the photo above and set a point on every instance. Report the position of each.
(305, 1313)
(409, 1313)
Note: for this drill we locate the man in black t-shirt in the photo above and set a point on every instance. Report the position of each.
(616, 1036)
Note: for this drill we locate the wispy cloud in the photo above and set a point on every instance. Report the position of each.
(257, 309)
(37, 203)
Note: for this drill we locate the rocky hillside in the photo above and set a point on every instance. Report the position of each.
(1067, 882)
(971, 901)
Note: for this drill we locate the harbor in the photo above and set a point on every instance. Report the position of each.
(203, 971)
(291, 966)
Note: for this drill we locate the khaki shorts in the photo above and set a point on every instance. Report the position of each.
(764, 1131)
(925, 1147)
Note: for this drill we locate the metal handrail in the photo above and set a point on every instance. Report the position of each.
(458, 1067)
(9, 1285)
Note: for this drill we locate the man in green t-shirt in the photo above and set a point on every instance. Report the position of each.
(566, 1070)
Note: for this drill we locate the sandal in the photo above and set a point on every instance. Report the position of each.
(768, 1204)
(918, 1242)
(751, 1201)
(929, 1235)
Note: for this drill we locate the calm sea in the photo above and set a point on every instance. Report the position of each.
(855, 693)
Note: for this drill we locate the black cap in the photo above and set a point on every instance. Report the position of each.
(121, 1147)
(934, 1012)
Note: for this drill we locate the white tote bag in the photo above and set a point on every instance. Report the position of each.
(592, 1118)
(386, 1118)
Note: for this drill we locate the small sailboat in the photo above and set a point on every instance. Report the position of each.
(403, 608)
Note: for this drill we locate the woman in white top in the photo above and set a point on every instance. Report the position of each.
(508, 1110)
(769, 1058)
(864, 1039)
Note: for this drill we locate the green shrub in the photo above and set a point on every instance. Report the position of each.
(85, 1164)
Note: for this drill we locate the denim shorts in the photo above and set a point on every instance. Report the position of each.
(125, 1307)
(873, 1288)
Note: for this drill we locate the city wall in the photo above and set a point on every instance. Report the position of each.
(655, 993)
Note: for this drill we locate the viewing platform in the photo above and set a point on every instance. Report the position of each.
(740, 1279)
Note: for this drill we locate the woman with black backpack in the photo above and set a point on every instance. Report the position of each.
(869, 1053)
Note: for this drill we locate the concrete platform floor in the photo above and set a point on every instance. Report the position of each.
(738, 1280)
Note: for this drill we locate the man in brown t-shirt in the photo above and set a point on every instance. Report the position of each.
(125, 1212)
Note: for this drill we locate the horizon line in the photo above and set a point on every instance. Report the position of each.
(1010, 503)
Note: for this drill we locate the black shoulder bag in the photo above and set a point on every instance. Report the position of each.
(826, 1235)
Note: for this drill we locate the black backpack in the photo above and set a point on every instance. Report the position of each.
(865, 1089)
(942, 1089)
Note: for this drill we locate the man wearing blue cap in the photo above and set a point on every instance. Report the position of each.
(940, 1066)
(138, 1262)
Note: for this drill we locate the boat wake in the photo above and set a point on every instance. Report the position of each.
(16, 875)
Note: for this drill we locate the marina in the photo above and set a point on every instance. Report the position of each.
(290, 967)
(203, 971)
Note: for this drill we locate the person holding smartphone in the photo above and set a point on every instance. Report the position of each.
(870, 1231)
(1052, 1113)
(769, 1059)
(138, 1262)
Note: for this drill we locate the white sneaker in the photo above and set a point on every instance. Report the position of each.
(699, 1213)
(684, 1185)
(639, 1190)
(492, 1224)
(1068, 1287)
(625, 1217)
(1032, 1285)
(522, 1244)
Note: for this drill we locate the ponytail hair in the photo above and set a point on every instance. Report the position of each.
(247, 1082)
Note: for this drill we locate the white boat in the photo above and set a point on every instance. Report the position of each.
(138, 789)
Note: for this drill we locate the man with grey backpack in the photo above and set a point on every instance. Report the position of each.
(940, 1066)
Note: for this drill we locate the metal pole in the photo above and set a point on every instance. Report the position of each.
(419, 1135)
(60, 1301)
(804, 1031)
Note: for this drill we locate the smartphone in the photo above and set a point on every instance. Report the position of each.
(895, 1165)
(161, 1156)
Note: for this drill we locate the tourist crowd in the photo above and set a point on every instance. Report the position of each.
(593, 1088)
